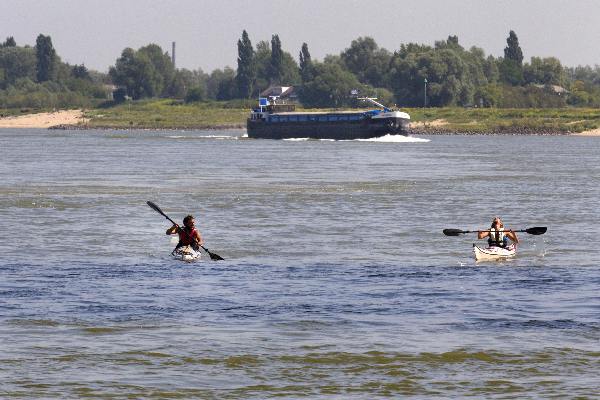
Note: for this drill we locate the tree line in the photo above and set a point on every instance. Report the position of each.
(35, 77)
(415, 75)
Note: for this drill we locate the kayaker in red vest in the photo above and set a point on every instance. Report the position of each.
(497, 235)
(188, 235)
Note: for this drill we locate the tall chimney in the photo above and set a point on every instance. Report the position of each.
(173, 55)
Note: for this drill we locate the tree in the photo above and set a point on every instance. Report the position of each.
(246, 71)
(331, 86)
(287, 70)
(197, 93)
(262, 63)
(185, 81)
(135, 72)
(451, 74)
(221, 84)
(276, 67)
(305, 63)
(147, 72)
(10, 42)
(46, 58)
(162, 64)
(511, 67)
(544, 71)
(513, 51)
(290, 72)
(80, 72)
(17, 63)
(367, 61)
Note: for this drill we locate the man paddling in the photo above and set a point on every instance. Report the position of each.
(497, 235)
(188, 235)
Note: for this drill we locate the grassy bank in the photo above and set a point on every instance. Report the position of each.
(498, 120)
(167, 114)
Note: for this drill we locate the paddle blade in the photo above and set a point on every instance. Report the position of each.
(536, 230)
(213, 256)
(155, 207)
(452, 232)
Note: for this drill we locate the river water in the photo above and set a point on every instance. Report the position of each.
(337, 280)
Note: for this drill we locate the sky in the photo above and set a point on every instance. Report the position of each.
(95, 32)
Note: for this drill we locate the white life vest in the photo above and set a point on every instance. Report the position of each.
(497, 237)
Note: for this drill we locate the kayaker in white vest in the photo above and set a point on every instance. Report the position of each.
(497, 235)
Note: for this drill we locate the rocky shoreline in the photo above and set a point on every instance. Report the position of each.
(497, 131)
(413, 131)
(82, 127)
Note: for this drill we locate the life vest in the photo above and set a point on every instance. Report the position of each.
(497, 238)
(186, 239)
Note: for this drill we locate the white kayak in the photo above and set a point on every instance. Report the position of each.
(186, 253)
(494, 253)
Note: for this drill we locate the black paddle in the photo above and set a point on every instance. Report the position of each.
(536, 230)
(156, 208)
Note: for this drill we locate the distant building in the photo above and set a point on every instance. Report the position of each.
(556, 89)
(285, 93)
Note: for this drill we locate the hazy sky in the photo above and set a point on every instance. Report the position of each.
(94, 32)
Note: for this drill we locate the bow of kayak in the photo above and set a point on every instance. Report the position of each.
(186, 254)
(494, 253)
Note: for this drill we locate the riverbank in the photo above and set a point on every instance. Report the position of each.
(168, 114)
(45, 119)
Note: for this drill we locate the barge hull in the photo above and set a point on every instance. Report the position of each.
(327, 130)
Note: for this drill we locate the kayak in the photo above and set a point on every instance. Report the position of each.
(186, 253)
(494, 253)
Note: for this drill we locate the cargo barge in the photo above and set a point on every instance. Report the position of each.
(281, 121)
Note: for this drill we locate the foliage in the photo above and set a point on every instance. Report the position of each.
(46, 58)
(27, 94)
(80, 72)
(276, 65)
(221, 84)
(513, 51)
(305, 64)
(367, 61)
(246, 71)
(185, 80)
(16, 63)
(451, 77)
(331, 86)
(162, 64)
(197, 93)
(511, 67)
(9, 42)
(35, 77)
(147, 72)
(544, 71)
(288, 68)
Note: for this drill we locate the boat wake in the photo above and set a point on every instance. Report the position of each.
(382, 139)
(395, 139)
(218, 137)
(305, 139)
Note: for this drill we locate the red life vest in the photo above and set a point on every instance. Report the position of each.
(186, 239)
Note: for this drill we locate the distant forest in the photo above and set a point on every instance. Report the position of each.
(415, 75)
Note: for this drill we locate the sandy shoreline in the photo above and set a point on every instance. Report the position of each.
(593, 132)
(44, 120)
